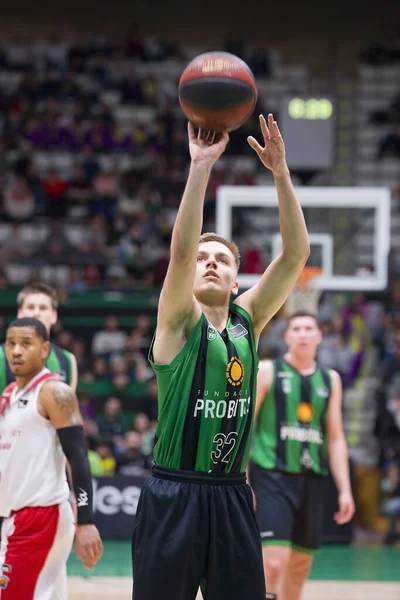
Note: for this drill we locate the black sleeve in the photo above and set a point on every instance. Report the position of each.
(74, 445)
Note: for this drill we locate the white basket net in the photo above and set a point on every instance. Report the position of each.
(304, 296)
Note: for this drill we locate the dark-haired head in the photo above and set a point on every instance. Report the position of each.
(27, 347)
(35, 324)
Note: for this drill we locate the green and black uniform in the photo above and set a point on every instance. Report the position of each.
(289, 457)
(195, 524)
(58, 361)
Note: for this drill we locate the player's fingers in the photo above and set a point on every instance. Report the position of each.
(264, 128)
(349, 512)
(89, 551)
(99, 549)
(337, 517)
(79, 550)
(191, 133)
(89, 563)
(210, 136)
(255, 145)
(273, 126)
(223, 138)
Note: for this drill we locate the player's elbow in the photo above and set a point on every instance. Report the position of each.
(295, 257)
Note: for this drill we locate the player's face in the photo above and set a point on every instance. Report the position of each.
(215, 276)
(39, 307)
(303, 336)
(26, 352)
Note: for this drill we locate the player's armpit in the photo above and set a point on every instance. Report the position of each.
(58, 403)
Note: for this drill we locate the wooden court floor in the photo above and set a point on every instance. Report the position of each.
(120, 589)
(338, 573)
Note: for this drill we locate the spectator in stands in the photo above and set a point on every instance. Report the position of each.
(55, 188)
(390, 145)
(80, 192)
(95, 461)
(99, 369)
(56, 247)
(334, 352)
(144, 331)
(131, 89)
(142, 424)
(105, 450)
(106, 189)
(93, 246)
(15, 246)
(356, 332)
(19, 201)
(111, 426)
(160, 267)
(391, 507)
(131, 462)
(152, 399)
(87, 410)
(76, 283)
(110, 339)
(140, 265)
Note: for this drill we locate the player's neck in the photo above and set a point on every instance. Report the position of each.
(216, 315)
(303, 364)
(23, 380)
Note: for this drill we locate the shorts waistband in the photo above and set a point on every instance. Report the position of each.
(199, 476)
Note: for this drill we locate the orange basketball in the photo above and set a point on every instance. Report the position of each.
(217, 91)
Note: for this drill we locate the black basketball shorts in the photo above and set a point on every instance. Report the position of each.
(196, 530)
(289, 508)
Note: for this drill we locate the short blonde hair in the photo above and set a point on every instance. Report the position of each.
(38, 288)
(214, 237)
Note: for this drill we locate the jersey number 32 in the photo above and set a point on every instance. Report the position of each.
(224, 447)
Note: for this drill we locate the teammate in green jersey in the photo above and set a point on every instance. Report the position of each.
(195, 524)
(298, 429)
(39, 300)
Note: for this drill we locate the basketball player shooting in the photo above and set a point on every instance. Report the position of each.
(298, 429)
(41, 426)
(195, 523)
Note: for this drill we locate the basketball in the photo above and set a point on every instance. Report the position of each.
(217, 91)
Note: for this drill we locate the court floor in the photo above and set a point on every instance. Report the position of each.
(339, 573)
(120, 589)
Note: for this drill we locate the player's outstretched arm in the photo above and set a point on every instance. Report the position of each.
(177, 308)
(264, 299)
(264, 379)
(337, 452)
(58, 403)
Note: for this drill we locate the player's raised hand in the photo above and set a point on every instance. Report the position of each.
(206, 147)
(272, 154)
(346, 509)
(89, 547)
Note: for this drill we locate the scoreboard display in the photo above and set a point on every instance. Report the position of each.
(308, 128)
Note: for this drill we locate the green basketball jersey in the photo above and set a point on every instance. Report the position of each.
(58, 361)
(290, 429)
(206, 397)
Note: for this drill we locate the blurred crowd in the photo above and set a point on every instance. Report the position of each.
(93, 135)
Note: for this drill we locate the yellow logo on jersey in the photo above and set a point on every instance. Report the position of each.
(305, 412)
(235, 371)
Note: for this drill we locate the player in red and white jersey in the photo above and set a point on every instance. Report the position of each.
(40, 427)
